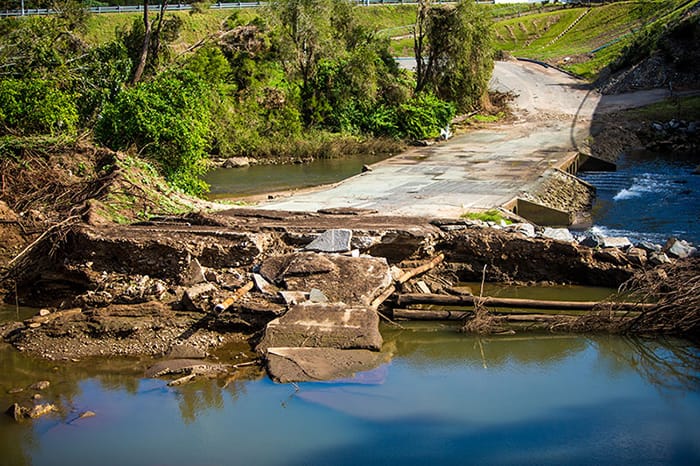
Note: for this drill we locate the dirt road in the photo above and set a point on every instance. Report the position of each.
(482, 169)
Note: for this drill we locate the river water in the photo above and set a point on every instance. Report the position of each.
(445, 398)
(261, 179)
(650, 197)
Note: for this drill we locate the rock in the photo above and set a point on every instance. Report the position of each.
(396, 246)
(561, 234)
(193, 274)
(16, 412)
(526, 229)
(637, 256)
(317, 296)
(324, 325)
(86, 414)
(679, 248)
(276, 269)
(196, 298)
(236, 162)
(616, 242)
(287, 365)
(185, 351)
(612, 256)
(351, 280)
(264, 286)
(336, 240)
(592, 240)
(291, 298)
(15, 390)
(41, 410)
(44, 312)
(658, 258)
(649, 247)
(40, 385)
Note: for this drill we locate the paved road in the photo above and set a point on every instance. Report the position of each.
(481, 169)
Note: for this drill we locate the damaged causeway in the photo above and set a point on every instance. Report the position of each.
(303, 288)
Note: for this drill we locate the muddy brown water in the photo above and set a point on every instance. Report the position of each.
(527, 398)
(260, 179)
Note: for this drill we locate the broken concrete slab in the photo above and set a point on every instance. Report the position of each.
(286, 365)
(351, 280)
(275, 268)
(291, 298)
(193, 273)
(335, 240)
(324, 325)
(263, 285)
(317, 296)
(196, 298)
(561, 234)
(619, 242)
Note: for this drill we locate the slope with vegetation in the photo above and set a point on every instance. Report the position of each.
(603, 34)
(296, 79)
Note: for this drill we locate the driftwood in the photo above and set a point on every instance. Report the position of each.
(383, 297)
(464, 300)
(421, 269)
(238, 294)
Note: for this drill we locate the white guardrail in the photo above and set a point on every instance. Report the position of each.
(185, 7)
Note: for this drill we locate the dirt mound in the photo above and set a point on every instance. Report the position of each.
(670, 63)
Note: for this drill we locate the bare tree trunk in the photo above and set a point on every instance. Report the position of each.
(419, 33)
(146, 45)
(159, 28)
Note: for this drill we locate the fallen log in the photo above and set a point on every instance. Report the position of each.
(238, 294)
(424, 314)
(429, 314)
(421, 269)
(383, 297)
(467, 300)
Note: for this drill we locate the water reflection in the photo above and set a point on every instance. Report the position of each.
(445, 397)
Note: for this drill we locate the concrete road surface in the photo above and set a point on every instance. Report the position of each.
(481, 169)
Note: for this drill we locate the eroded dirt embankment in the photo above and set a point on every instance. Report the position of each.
(145, 289)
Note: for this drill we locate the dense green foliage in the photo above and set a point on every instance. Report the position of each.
(31, 106)
(286, 80)
(168, 119)
(454, 52)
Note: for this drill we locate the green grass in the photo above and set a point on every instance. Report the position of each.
(487, 216)
(524, 30)
(535, 35)
(687, 108)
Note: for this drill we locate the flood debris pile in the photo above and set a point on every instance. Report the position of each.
(672, 292)
(297, 289)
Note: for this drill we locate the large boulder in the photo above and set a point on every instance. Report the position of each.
(324, 325)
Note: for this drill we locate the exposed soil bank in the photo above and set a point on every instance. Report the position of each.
(145, 289)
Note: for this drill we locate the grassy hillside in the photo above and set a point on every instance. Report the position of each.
(584, 40)
(580, 39)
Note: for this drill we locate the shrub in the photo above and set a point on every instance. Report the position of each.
(36, 106)
(424, 116)
(168, 120)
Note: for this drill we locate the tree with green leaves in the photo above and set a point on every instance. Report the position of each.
(454, 53)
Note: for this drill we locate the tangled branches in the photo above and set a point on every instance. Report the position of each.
(675, 288)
